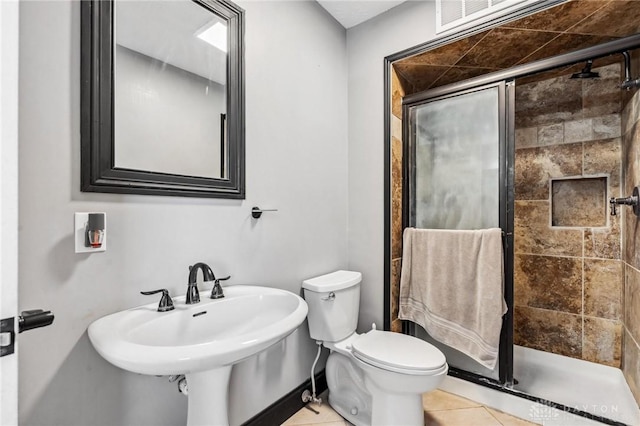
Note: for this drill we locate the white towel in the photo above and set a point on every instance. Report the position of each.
(452, 285)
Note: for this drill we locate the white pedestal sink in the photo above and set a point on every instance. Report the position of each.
(201, 341)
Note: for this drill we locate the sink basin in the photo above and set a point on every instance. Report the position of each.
(202, 340)
(198, 337)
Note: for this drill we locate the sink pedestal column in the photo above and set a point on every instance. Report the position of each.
(208, 397)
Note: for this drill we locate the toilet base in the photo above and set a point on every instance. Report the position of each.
(405, 410)
(355, 395)
(395, 409)
(347, 393)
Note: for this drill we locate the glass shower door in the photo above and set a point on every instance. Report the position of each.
(457, 176)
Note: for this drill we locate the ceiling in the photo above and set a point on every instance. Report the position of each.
(353, 12)
(567, 27)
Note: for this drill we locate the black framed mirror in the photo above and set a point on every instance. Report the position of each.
(162, 98)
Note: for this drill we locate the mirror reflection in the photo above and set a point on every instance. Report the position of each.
(170, 94)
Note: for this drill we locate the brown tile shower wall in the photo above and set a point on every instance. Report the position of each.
(399, 89)
(631, 250)
(568, 272)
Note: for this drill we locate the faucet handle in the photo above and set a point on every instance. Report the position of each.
(216, 291)
(166, 304)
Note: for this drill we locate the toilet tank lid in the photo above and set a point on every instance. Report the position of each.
(338, 280)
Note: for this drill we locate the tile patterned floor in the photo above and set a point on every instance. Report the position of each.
(441, 409)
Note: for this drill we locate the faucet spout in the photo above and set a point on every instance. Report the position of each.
(193, 295)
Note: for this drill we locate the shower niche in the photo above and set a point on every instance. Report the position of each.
(579, 202)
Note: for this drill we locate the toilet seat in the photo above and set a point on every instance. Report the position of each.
(398, 353)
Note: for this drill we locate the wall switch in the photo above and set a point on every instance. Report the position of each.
(82, 237)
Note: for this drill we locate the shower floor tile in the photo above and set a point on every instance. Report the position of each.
(441, 409)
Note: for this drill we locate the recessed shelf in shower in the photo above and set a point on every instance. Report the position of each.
(579, 202)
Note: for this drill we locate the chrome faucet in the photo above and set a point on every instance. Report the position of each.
(193, 296)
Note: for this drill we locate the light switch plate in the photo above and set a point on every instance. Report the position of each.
(81, 220)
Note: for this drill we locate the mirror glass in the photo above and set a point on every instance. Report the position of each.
(170, 62)
(162, 97)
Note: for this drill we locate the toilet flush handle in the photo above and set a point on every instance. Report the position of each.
(330, 297)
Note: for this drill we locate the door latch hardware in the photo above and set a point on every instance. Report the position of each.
(28, 320)
(7, 336)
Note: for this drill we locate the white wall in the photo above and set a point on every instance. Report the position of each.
(296, 105)
(402, 27)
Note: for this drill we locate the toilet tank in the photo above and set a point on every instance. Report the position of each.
(334, 301)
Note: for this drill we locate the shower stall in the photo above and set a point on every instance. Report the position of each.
(538, 151)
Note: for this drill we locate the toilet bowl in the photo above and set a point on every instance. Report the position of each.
(375, 378)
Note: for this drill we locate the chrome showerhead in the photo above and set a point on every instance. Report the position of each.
(586, 71)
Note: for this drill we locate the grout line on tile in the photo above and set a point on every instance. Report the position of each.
(492, 415)
(602, 318)
(533, 30)
(433, 84)
(632, 267)
(602, 258)
(582, 301)
(624, 325)
(524, 60)
(549, 310)
(585, 19)
(553, 255)
(472, 47)
(583, 154)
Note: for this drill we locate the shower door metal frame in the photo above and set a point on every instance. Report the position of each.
(506, 158)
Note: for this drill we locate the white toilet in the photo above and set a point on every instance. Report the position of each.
(376, 378)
